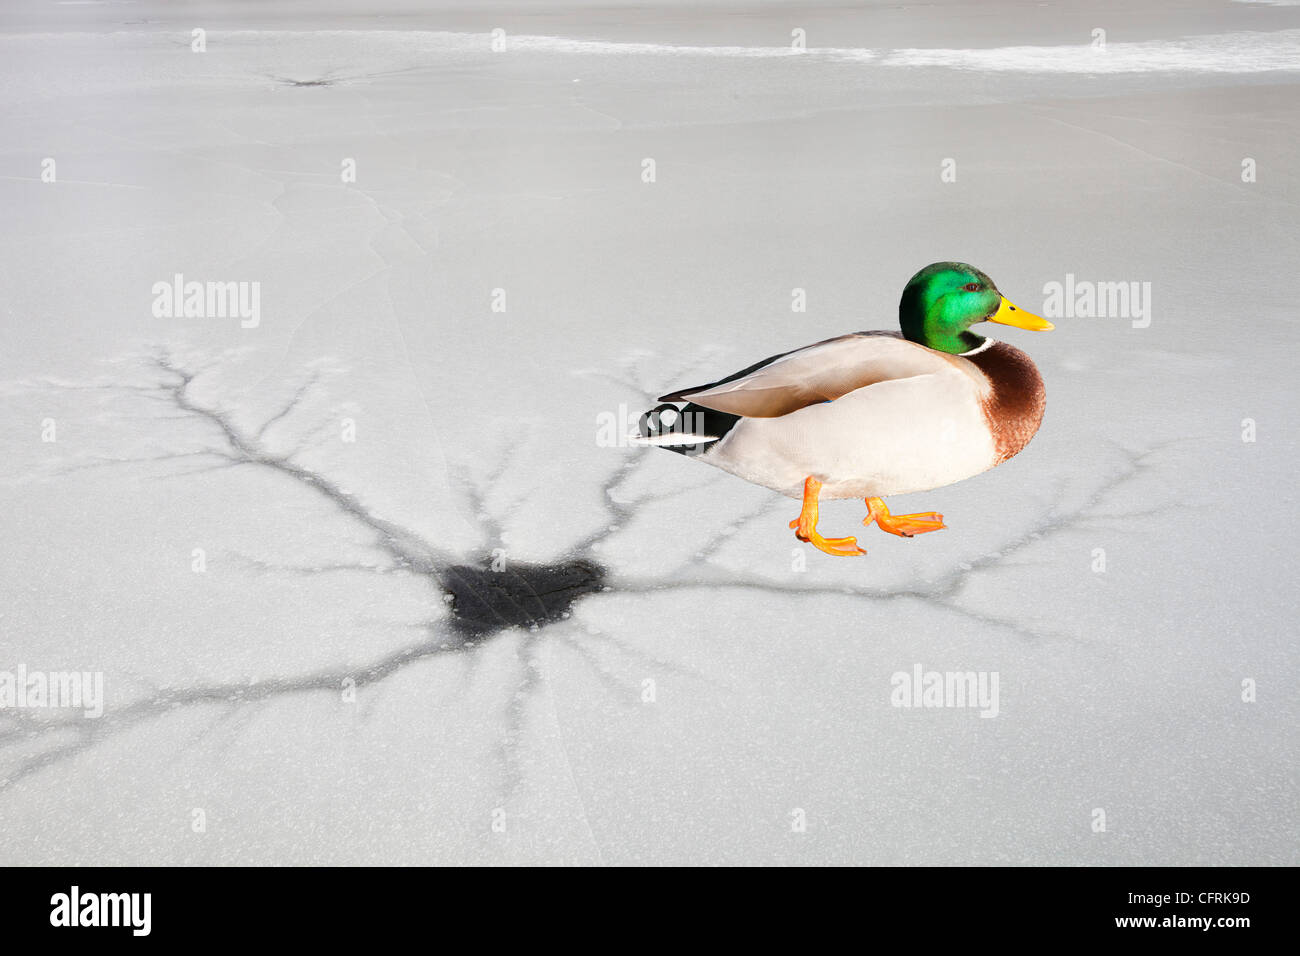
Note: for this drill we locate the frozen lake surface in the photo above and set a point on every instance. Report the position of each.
(365, 585)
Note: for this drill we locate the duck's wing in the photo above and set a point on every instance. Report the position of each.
(817, 373)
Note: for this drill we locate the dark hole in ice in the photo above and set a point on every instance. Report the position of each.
(528, 595)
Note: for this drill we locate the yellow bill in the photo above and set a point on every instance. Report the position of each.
(1008, 314)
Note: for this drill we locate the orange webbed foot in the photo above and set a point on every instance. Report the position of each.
(905, 526)
(805, 526)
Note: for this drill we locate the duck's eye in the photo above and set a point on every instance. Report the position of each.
(971, 287)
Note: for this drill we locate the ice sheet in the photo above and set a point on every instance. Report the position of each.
(720, 693)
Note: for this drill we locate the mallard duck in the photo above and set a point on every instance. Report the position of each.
(871, 414)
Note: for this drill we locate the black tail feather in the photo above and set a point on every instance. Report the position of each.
(687, 420)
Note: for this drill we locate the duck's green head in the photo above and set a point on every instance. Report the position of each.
(943, 300)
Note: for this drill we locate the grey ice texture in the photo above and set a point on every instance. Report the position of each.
(729, 682)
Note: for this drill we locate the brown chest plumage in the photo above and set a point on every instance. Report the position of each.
(1014, 408)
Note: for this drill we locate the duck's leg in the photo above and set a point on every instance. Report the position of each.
(806, 525)
(905, 526)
